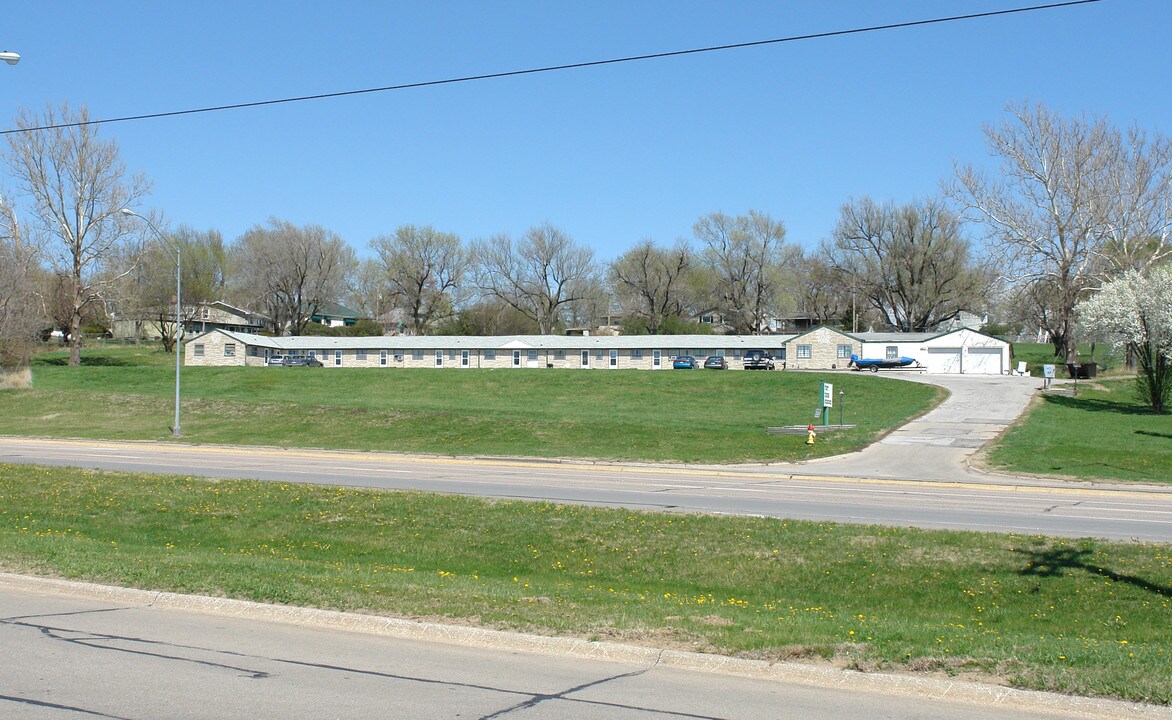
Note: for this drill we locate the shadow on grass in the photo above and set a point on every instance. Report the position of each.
(1052, 562)
(1154, 434)
(87, 361)
(1098, 405)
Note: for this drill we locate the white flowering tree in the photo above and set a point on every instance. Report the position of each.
(1135, 312)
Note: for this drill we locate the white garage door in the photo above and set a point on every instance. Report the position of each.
(943, 360)
(983, 361)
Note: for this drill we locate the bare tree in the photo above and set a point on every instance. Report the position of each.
(825, 293)
(747, 257)
(75, 186)
(423, 269)
(22, 314)
(369, 294)
(651, 283)
(910, 262)
(291, 271)
(147, 293)
(1075, 203)
(537, 275)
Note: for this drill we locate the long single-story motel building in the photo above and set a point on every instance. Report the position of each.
(958, 351)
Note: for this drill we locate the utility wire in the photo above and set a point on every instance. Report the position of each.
(556, 68)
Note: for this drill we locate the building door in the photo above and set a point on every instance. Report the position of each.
(463, 358)
(984, 361)
(585, 358)
(439, 358)
(516, 358)
(614, 359)
(944, 360)
(656, 359)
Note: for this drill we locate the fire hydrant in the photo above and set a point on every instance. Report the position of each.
(809, 434)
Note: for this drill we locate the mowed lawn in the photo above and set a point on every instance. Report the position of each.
(1103, 432)
(696, 416)
(1088, 617)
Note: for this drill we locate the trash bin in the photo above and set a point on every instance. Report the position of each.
(1088, 370)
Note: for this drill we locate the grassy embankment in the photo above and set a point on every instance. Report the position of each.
(1087, 617)
(678, 416)
(1102, 433)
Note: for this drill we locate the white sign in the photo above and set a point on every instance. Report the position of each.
(1048, 371)
(827, 395)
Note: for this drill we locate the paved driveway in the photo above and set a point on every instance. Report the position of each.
(940, 445)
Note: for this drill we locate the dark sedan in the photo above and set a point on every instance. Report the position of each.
(715, 362)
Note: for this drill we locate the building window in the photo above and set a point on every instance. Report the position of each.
(532, 356)
(359, 354)
(490, 354)
(197, 349)
(559, 354)
(229, 349)
(845, 352)
(416, 354)
(599, 354)
(382, 357)
(805, 352)
(636, 354)
(892, 352)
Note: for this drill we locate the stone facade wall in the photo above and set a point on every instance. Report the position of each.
(215, 349)
(824, 355)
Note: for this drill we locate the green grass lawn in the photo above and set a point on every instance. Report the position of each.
(1087, 617)
(1038, 354)
(676, 416)
(1103, 433)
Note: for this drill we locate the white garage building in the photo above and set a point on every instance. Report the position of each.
(962, 351)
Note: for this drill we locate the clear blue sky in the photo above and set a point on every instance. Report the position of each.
(612, 154)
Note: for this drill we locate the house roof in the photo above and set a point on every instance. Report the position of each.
(336, 310)
(506, 342)
(685, 343)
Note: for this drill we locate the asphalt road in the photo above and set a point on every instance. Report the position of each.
(69, 658)
(1108, 511)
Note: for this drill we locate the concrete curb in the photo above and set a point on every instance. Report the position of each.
(929, 688)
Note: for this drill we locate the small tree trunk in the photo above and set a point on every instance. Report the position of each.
(75, 338)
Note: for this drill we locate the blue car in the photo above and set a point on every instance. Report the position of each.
(684, 362)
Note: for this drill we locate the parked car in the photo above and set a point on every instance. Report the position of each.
(715, 362)
(684, 362)
(303, 360)
(758, 360)
(275, 360)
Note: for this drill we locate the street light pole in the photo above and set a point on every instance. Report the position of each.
(175, 431)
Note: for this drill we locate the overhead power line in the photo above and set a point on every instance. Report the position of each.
(557, 68)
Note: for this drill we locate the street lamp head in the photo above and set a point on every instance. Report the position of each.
(128, 211)
(10, 57)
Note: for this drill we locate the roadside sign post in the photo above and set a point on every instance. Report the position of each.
(1047, 375)
(827, 402)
